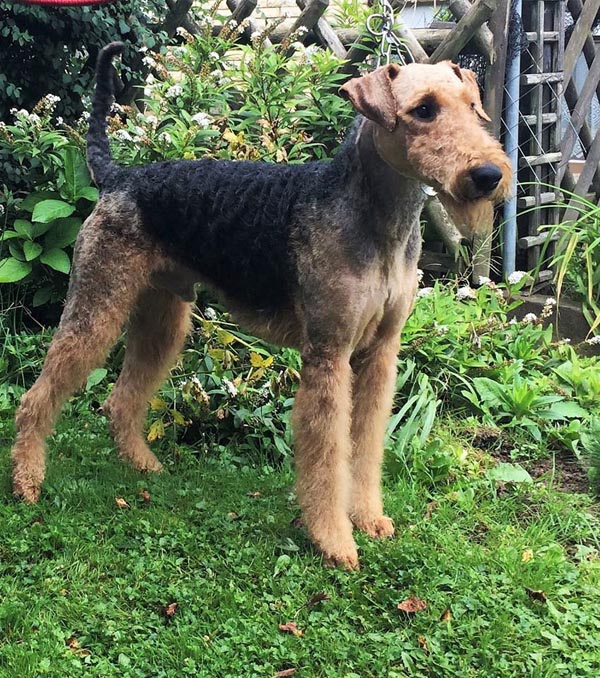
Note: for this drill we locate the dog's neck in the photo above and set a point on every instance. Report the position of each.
(396, 199)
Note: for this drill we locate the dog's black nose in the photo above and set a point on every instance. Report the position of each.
(486, 177)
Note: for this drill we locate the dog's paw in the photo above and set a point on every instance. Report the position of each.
(345, 561)
(26, 490)
(376, 528)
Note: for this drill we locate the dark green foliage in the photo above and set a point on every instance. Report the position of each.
(52, 50)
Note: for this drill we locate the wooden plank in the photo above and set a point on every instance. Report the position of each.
(547, 119)
(544, 198)
(537, 160)
(578, 115)
(493, 95)
(529, 79)
(537, 240)
(547, 36)
(479, 13)
(482, 37)
(326, 35)
(304, 23)
(581, 31)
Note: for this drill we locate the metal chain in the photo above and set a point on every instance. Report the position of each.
(389, 43)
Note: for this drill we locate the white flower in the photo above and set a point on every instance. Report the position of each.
(59, 120)
(148, 61)
(165, 137)
(424, 292)
(213, 55)
(123, 135)
(139, 131)
(516, 277)
(52, 98)
(566, 340)
(34, 118)
(483, 280)
(419, 275)
(512, 321)
(441, 329)
(592, 341)
(174, 91)
(85, 116)
(202, 119)
(13, 111)
(181, 31)
(530, 318)
(1, 209)
(230, 387)
(465, 292)
(255, 36)
(152, 120)
(302, 30)
(550, 301)
(210, 313)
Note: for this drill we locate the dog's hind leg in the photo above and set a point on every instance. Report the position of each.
(106, 280)
(156, 332)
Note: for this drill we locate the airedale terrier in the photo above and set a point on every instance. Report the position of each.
(321, 256)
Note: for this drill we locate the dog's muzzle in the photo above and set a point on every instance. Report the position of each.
(485, 179)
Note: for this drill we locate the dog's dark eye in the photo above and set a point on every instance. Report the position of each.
(424, 112)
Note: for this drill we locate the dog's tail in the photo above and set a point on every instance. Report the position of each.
(98, 151)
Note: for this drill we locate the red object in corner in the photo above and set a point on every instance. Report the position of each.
(57, 3)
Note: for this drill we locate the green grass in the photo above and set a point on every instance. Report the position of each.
(84, 584)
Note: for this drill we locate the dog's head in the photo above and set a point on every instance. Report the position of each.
(428, 125)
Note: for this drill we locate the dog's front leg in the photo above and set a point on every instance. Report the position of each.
(321, 419)
(375, 378)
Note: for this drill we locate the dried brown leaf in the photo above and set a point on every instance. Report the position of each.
(72, 643)
(121, 503)
(446, 615)
(317, 598)
(431, 507)
(253, 495)
(291, 627)
(170, 610)
(412, 605)
(540, 596)
(423, 643)
(145, 495)
(232, 515)
(285, 673)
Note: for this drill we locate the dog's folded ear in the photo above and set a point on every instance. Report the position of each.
(372, 95)
(470, 80)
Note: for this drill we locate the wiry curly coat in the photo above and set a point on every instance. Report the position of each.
(321, 256)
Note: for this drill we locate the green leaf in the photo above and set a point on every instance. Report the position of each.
(23, 227)
(509, 473)
(32, 250)
(28, 203)
(88, 192)
(8, 235)
(77, 175)
(63, 232)
(95, 377)
(56, 259)
(12, 270)
(564, 410)
(42, 296)
(48, 210)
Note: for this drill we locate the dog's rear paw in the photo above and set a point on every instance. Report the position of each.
(345, 561)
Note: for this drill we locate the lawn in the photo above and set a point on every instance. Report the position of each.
(200, 571)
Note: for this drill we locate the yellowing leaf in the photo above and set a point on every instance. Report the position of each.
(225, 337)
(178, 418)
(527, 555)
(156, 430)
(157, 404)
(257, 360)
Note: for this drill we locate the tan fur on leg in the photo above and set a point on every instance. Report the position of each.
(157, 330)
(100, 296)
(321, 419)
(372, 402)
